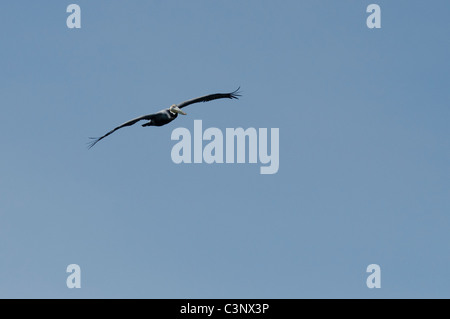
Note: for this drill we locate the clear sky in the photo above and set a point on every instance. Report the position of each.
(363, 116)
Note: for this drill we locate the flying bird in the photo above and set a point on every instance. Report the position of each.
(167, 115)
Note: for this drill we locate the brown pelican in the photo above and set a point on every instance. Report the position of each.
(166, 116)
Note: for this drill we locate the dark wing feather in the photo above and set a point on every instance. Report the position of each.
(95, 140)
(210, 97)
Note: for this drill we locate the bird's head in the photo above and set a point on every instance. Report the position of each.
(175, 109)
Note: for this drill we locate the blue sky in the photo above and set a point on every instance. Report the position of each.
(364, 150)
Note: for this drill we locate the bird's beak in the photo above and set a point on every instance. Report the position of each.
(178, 110)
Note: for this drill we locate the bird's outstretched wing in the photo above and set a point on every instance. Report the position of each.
(95, 140)
(210, 97)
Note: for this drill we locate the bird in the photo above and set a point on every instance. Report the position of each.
(167, 115)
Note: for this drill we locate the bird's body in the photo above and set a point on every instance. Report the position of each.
(166, 116)
(161, 118)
